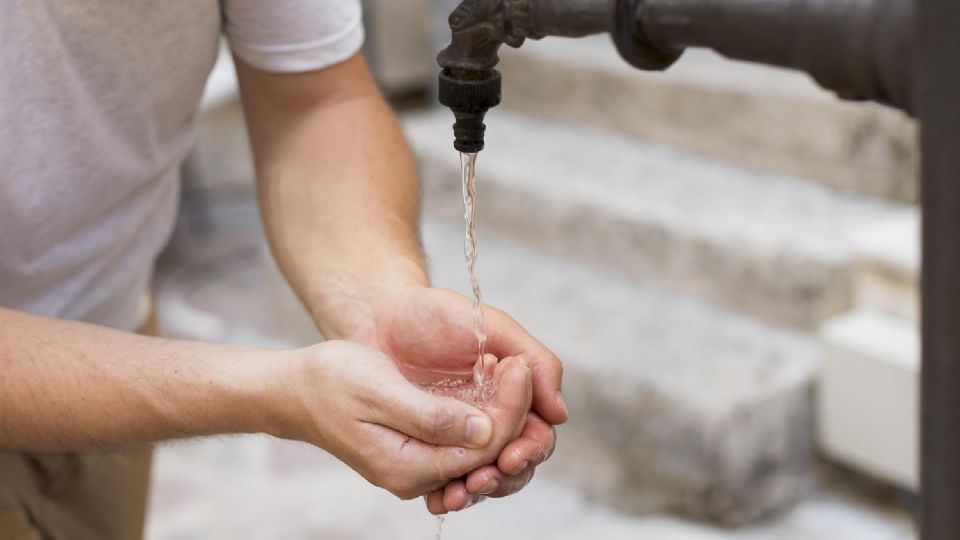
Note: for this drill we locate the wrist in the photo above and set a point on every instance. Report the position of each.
(306, 393)
(348, 308)
(254, 387)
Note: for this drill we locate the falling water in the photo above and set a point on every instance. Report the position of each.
(468, 168)
(482, 388)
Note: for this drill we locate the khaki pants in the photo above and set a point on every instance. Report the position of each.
(95, 496)
(88, 496)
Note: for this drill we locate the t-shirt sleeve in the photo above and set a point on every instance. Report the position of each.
(293, 35)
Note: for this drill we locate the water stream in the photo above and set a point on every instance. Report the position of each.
(440, 520)
(468, 169)
(481, 390)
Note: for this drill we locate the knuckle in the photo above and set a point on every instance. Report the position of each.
(554, 363)
(438, 423)
(368, 405)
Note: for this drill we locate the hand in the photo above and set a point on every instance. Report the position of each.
(537, 439)
(352, 401)
(430, 331)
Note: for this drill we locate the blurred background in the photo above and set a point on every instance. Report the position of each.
(724, 256)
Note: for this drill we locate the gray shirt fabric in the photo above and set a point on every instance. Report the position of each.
(98, 102)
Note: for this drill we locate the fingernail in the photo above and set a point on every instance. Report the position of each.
(474, 499)
(479, 431)
(522, 468)
(490, 487)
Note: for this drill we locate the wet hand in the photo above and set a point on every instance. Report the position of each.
(430, 331)
(352, 401)
(512, 472)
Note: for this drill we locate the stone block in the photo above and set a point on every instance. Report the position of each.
(868, 395)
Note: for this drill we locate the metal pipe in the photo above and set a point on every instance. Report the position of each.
(468, 83)
(939, 109)
(568, 18)
(480, 27)
(861, 49)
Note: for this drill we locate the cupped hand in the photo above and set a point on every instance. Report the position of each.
(511, 473)
(429, 334)
(355, 403)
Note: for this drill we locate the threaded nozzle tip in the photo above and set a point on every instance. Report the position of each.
(469, 98)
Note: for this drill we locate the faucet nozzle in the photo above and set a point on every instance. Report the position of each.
(468, 84)
(469, 94)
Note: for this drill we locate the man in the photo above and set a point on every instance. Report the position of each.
(97, 107)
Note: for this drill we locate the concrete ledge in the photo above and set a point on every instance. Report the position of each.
(765, 118)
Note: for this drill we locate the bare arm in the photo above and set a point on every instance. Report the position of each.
(73, 386)
(67, 386)
(339, 196)
(338, 190)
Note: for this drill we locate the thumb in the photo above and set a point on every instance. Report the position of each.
(433, 419)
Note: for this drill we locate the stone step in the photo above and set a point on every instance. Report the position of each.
(772, 246)
(676, 406)
(766, 118)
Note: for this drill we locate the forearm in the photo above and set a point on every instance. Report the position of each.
(68, 386)
(339, 194)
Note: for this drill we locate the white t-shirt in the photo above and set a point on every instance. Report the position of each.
(98, 102)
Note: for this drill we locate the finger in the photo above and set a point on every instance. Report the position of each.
(507, 338)
(507, 408)
(455, 496)
(510, 485)
(516, 462)
(434, 501)
(433, 419)
(534, 446)
(484, 481)
(486, 367)
(490, 482)
(547, 377)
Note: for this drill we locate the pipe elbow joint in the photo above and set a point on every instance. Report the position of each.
(633, 42)
(469, 84)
